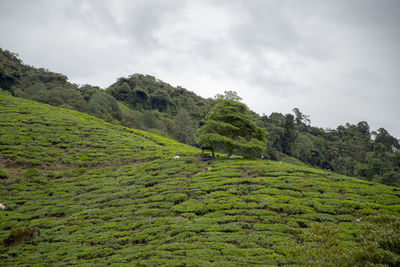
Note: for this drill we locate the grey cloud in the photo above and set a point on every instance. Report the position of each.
(134, 21)
(265, 26)
(275, 25)
(365, 76)
(369, 13)
(276, 85)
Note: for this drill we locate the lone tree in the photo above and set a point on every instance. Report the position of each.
(229, 128)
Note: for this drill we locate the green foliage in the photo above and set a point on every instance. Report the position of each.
(144, 92)
(229, 128)
(183, 129)
(102, 194)
(31, 173)
(289, 135)
(149, 104)
(144, 97)
(3, 174)
(20, 235)
(384, 138)
(37, 84)
(131, 118)
(104, 106)
(160, 100)
(230, 96)
(4, 92)
(350, 149)
(375, 241)
(301, 119)
(11, 70)
(391, 178)
(34, 134)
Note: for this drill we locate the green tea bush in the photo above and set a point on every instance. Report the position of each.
(134, 203)
(20, 235)
(31, 173)
(3, 174)
(374, 242)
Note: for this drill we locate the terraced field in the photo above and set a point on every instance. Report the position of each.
(79, 191)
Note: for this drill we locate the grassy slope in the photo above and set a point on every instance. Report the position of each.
(104, 194)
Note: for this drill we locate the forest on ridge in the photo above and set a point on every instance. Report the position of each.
(146, 103)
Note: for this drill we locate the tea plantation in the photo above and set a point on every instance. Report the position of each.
(80, 191)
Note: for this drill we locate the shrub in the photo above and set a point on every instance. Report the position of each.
(31, 173)
(20, 235)
(3, 174)
(4, 92)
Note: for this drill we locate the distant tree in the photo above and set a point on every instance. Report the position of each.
(391, 178)
(139, 97)
(344, 165)
(377, 162)
(301, 118)
(87, 91)
(120, 90)
(274, 126)
(150, 119)
(363, 128)
(11, 70)
(289, 135)
(277, 119)
(383, 137)
(37, 92)
(67, 98)
(104, 106)
(183, 129)
(160, 100)
(304, 148)
(230, 96)
(361, 170)
(132, 118)
(229, 128)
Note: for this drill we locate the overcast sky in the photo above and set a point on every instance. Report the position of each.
(338, 61)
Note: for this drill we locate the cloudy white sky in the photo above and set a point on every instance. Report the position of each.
(336, 60)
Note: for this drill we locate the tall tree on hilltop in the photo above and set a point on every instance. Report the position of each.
(301, 118)
(289, 135)
(389, 142)
(229, 128)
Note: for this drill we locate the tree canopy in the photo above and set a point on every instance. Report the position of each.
(229, 128)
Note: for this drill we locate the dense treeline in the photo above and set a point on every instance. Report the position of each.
(353, 150)
(38, 84)
(139, 101)
(143, 102)
(155, 105)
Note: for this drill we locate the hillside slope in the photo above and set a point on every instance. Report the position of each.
(78, 190)
(147, 103)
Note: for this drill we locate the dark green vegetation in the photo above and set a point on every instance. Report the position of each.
(142, 93)
(143, 102)
(80, 191)
(229, 128)
(352, 150)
